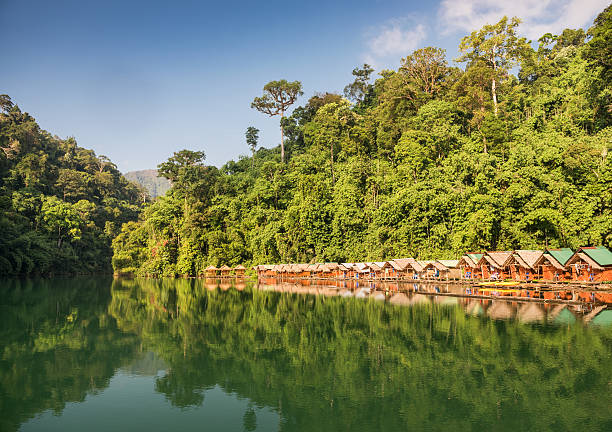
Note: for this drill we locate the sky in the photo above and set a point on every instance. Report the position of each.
(139, 80)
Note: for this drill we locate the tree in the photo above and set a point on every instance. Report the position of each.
(171, 169)
(358, 89)
(498, 47)
(277, 97)
(426, 69)
(252, 136)
(6, 104)
(104, 161)
(62, 218)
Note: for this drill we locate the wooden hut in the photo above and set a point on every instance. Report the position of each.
(492, 265)
(454, 272)
(350, 272)
(410, 268)
(591, 264)
(239, 270)
(395, 270)
(225, 271)
(468, 265)
(362, 270)
(551, 266)
(303, 271)
(212, 271)
(521, 265)
(314, 270)
(439, 270)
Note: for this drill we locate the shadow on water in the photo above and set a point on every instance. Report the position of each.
(338, 360)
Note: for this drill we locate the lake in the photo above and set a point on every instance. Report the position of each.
(99, 354)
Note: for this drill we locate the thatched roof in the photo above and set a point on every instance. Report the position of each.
(449, 263)
(470, 260)
(404, 263)
(395, 265)
(224, 267)
(362, 267)
(240, 267)
(437, 265)
(211, 268)
(525, 258)
(496, 259)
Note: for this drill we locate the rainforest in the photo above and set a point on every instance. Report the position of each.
(505, 147)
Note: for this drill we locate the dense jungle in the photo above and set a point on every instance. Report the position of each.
(505, 148)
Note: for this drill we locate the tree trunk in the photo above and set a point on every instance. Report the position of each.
(494, 94)
(493, 83)
(282, 138)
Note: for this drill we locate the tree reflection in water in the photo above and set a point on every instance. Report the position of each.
(323, 362)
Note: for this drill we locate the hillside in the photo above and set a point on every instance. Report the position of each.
(429, 160)
(149, 180)
(60, 204)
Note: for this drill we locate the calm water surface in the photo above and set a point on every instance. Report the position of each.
(165, 355)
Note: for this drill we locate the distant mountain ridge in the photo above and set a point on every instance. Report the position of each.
(148, 179)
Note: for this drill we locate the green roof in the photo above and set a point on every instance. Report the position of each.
(600, 254)
(561, 255)
(475, 257)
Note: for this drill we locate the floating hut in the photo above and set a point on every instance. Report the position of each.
(225, 271)
(440, 270)
(454, 272)
(468, 265)
(402, 267)
(521, 265)
(493, 265)
(591, 264)
(212, 271)
(239, 270)
(551, 265)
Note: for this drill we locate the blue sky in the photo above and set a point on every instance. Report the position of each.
(138, 80)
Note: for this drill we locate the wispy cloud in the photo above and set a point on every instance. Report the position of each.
(391, 41)
(539, 16)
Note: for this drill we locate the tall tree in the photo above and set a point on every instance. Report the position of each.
(426, 68)
(277, 97)
(252, 136)
(358, 89)
(498, 46)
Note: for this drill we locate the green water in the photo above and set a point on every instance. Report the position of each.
(150, 355)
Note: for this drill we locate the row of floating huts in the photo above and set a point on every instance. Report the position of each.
(587, 264)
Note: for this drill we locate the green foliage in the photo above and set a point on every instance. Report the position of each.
(434, 161)
(60, 204)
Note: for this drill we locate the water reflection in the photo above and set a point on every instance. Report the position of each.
(299, 358)
(526, 310)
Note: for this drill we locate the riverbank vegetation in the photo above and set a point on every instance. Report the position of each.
(427, 160)
(60, 204)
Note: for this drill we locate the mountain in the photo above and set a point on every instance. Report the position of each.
(148, 179)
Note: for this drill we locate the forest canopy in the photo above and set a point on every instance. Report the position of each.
(429, 160)
(60, 204)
